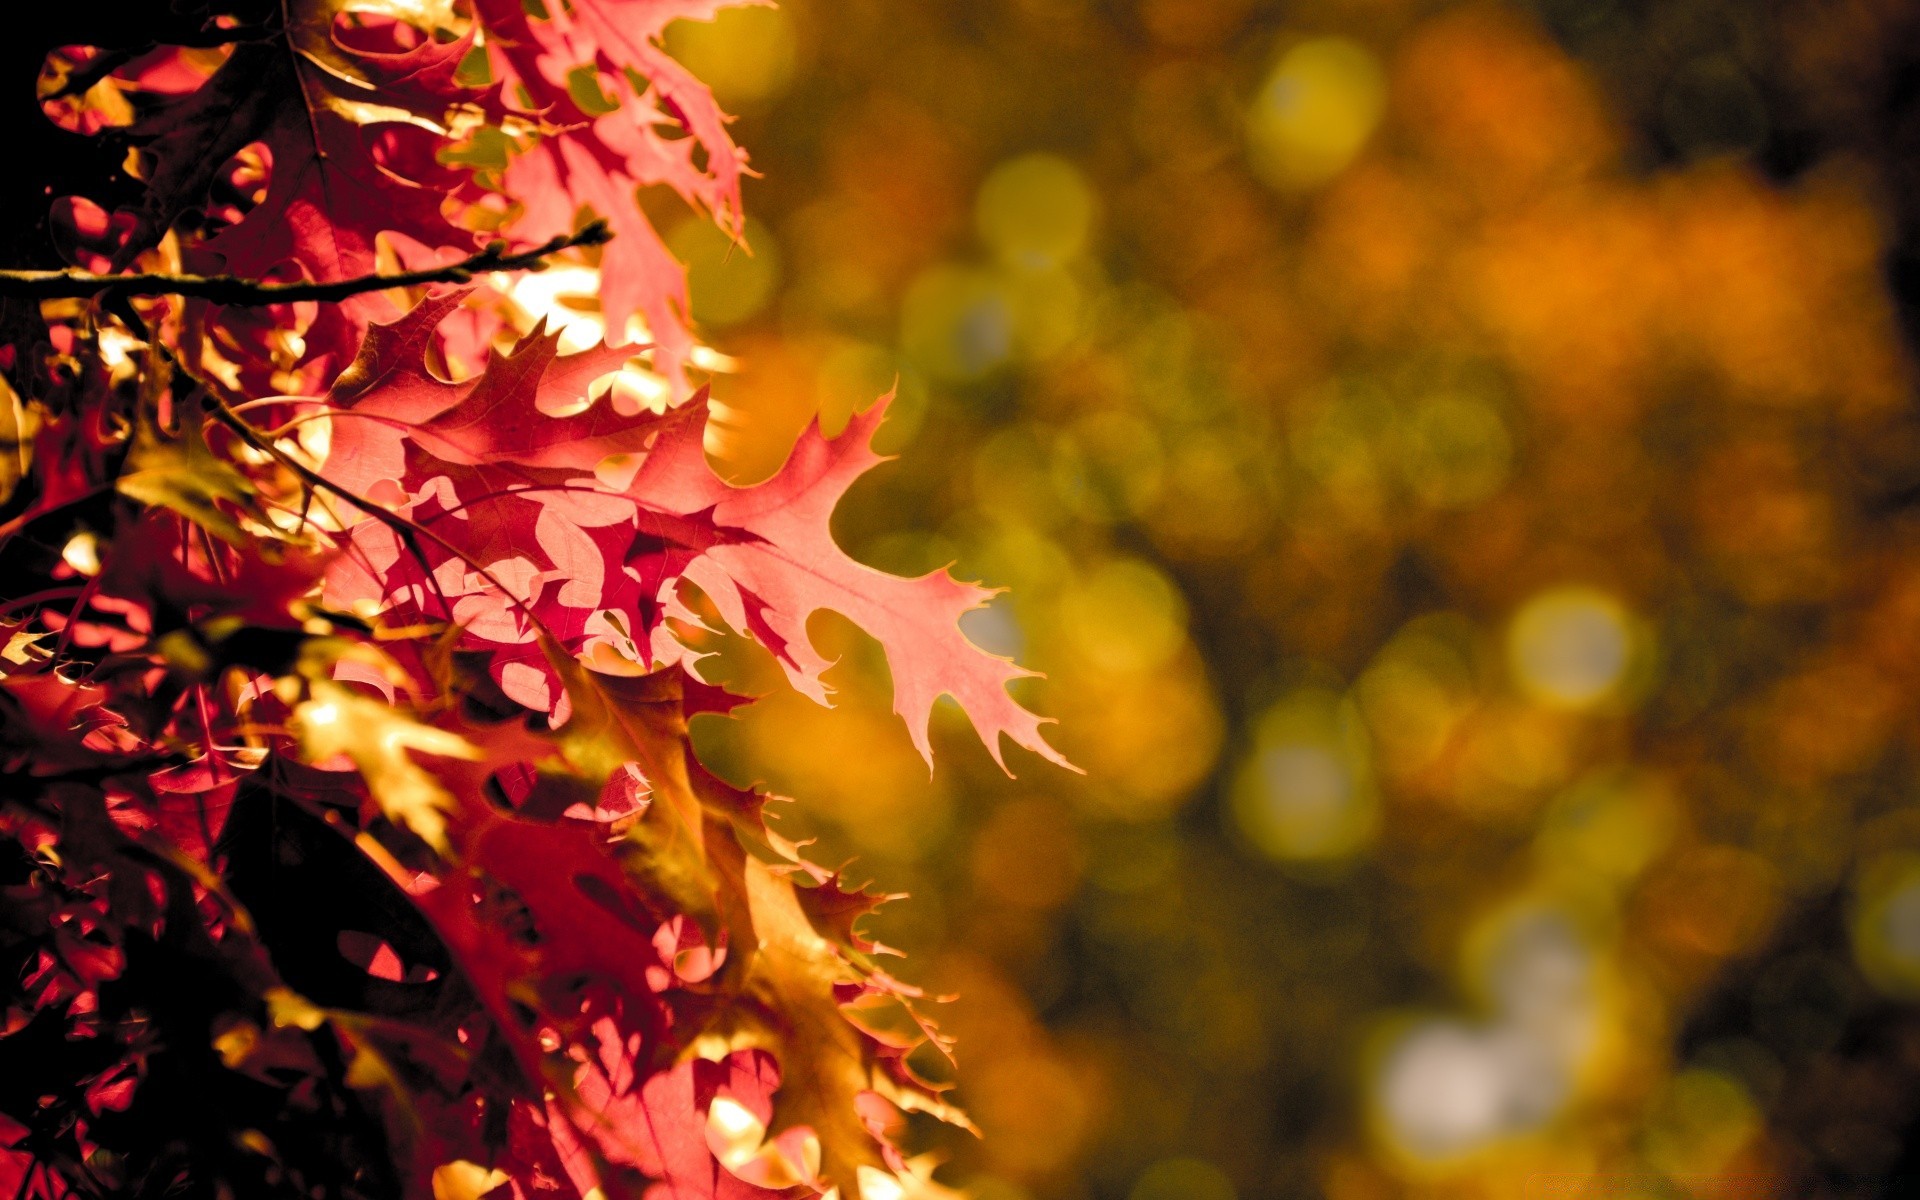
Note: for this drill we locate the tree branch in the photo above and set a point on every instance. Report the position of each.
(229, 289)
(408, 530)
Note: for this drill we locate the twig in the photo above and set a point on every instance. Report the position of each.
(230, 289)
(408, 530)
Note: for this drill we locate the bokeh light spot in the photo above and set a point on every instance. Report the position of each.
(1108, 466)
(1032, 1109)
(1035, 211)
(1455, 451)
(1126, 616)
(956, 324)
(1149, 737)
(1886, 924)
(1315, 112)
(1046, 307)
(1418, 690)
(744, 54)
(1606, 829)
(1900, 923)
(727, 283)
(1304, 793)
(1182, 1179)
(1447, 1088)
(851, 376)
(1570, 647)
(1013, 478)
(1700, 1122)
(1536, 969)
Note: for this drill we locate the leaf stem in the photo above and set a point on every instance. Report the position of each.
(233, 290)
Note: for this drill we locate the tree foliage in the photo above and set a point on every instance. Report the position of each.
(355, 844)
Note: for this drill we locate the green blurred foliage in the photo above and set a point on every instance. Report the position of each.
(1455, 466)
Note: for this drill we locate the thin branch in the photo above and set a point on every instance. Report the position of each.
(408, 530)
(230, 289)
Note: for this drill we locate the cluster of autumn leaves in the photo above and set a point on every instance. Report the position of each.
(362, 849)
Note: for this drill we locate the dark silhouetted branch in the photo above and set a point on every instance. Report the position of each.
(228, 289)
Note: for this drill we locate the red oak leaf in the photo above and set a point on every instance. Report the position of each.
(660, 1123)
(769, 586)
(601, 974)
(552, 926)
(603, 91)
(511, 499)
(347, 138)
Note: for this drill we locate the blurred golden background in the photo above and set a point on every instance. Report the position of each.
(1457, 468)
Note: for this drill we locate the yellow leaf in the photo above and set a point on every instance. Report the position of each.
(179, 472)
(289, 1008)
(379, 740)
(18, 424)
(463, 1180)
(617, 721)
(824, 1060)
